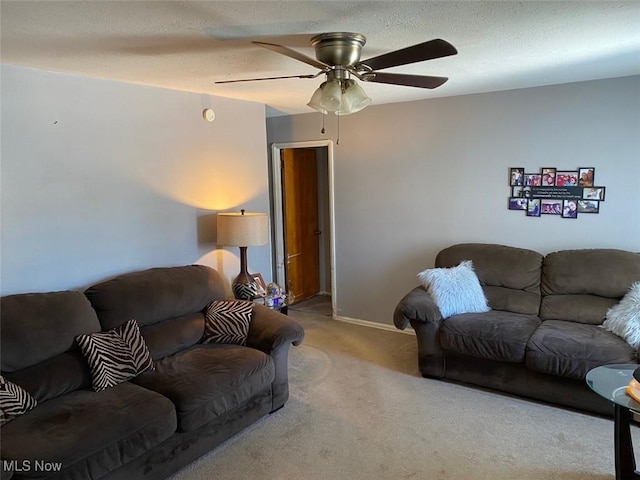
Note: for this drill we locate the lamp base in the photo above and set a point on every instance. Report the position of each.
(245, 291)
(244, 287)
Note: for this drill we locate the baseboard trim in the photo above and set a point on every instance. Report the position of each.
(370, 324)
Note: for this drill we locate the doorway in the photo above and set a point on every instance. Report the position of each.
(303, 218)
(301, 215)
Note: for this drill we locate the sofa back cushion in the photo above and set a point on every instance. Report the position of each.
(173, 335)
(38, 348)
(581, 285)
(167, 303)
(510, 276)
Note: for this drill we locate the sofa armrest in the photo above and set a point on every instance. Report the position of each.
(420, 310)
(417, 305)
(270, 329)
(273, 333)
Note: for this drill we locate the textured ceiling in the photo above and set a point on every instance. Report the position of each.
(189, 45)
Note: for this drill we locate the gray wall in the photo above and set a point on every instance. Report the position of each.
(101, 177)
(413, 178)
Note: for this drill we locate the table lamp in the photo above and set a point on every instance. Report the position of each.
(243, 230)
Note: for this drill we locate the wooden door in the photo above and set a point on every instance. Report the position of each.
(300, 213)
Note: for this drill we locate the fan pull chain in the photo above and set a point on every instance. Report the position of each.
(323, 115)
(338, 140)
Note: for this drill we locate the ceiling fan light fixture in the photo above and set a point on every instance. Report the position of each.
(354, 99)
(338, 57)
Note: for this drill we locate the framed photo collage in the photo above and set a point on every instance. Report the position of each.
(552, 191)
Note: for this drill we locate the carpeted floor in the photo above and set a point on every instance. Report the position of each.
(359, 410)
(318, 304)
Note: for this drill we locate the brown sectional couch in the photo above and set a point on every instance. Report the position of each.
(198, 396)
(543, 332)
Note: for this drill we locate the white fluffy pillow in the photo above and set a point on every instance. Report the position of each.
(623, 319)
(455, 290)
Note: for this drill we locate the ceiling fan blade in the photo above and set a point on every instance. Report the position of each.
(266, 78)
(436, 48)
(293, 54)
(419, 81)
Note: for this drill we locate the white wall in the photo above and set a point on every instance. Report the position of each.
(413, 178)
(100, 178)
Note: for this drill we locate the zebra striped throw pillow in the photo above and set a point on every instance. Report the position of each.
(116, 355)
(14, 400)
(227, 321)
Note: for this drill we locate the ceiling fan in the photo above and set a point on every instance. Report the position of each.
(338, 58)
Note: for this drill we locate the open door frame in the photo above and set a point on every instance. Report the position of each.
(278, 221)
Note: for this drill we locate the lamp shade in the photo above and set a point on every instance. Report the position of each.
(241, 229)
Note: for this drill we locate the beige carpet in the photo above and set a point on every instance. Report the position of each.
(359, 410)
(318, 304)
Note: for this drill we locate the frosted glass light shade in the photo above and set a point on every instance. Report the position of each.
(315, 99)
(331, 96)
(243, 230)
(354, 99)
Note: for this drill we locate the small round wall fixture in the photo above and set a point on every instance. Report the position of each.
(209, 115)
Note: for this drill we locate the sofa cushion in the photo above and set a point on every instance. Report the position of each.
(39, 352)
(38, 326)
(116, 355)
(589, 309)
(510, 276)
(495, 335)
(90, 433)
(599, 271)
(14, 401)
(61, 374)
(206, 381)
(227, 321)
(581, 285)
(154, 295)
(173, 335)
(456, 289)
(571, 349)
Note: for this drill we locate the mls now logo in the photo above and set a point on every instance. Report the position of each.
(30, 466)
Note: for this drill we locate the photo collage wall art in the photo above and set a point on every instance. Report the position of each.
(566, 193)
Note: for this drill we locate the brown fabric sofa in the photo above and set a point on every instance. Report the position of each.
(198, 396)
(543, 333)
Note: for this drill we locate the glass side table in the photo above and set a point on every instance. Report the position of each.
(610, 382)
(282, 306)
